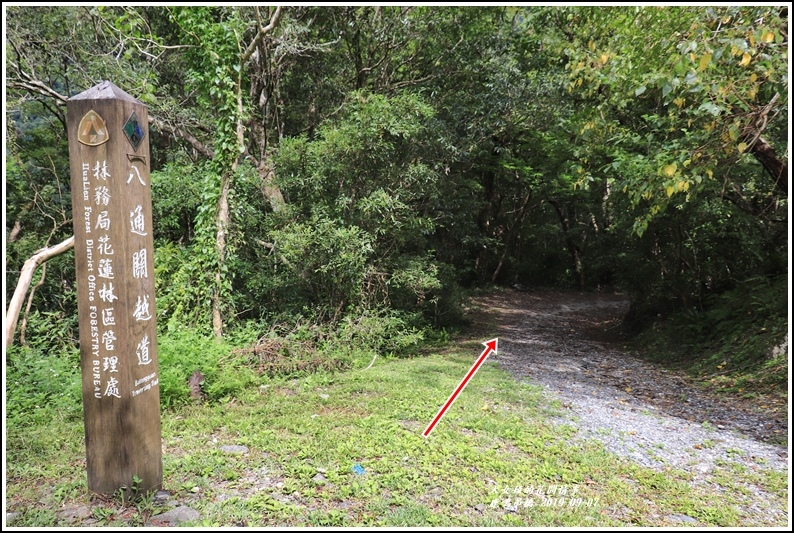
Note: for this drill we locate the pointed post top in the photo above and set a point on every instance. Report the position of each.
(104, 91)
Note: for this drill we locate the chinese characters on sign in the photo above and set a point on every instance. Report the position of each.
(137, 221)
(98, 200)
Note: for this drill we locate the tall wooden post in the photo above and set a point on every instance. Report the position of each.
(112, 209)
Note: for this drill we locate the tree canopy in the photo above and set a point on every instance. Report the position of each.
(337, 161)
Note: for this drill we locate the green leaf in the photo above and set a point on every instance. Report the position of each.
(639, 90)
(710, 107)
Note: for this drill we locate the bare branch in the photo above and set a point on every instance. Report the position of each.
(37, 87)
(184, 134)
(407, 83)
(260, 35)
(27, 83)
(25, 277)
(24, 326)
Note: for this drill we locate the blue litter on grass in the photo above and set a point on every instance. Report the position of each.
(358, 469)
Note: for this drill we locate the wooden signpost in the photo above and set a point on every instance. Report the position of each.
(112, 209)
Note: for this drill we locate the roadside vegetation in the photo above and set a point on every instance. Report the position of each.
(736, 345)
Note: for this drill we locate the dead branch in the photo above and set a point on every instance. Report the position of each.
(162, 125)
(24, 326)
(25, 277)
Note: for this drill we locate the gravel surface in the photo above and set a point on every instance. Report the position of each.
(638, 410)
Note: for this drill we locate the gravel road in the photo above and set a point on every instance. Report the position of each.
(637, 409)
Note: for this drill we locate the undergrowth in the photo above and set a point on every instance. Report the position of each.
(733, 344)
(346, 448)
(42, 380)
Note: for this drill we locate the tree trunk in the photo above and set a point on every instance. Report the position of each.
(223, 217)
(270, 189)
(605, 205)
(762, 150)
(776, 168)
(489, 212)
(220, 244)
(24, 325)
(572, 247)
(15, 231)
(25, 277)
(512, 233)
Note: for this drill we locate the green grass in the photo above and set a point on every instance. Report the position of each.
(495, 442)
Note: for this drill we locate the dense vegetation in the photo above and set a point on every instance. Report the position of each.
(330, 181)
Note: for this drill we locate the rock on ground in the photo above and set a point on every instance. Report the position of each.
(175, 517)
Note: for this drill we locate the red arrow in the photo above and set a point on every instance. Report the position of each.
(490, 346)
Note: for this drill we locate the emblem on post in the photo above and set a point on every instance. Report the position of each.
(92, 130)
(134, 131)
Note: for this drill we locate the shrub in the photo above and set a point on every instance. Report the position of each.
(40, 383)
(183, 351)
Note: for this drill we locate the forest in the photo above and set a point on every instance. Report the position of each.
(333, 184)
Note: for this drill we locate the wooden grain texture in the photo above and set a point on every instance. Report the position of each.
(114, 261)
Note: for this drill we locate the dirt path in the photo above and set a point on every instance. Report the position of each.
(640, 411)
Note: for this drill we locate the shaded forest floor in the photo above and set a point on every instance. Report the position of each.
(560, 428)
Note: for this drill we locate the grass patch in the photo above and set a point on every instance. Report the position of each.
(305, 436)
